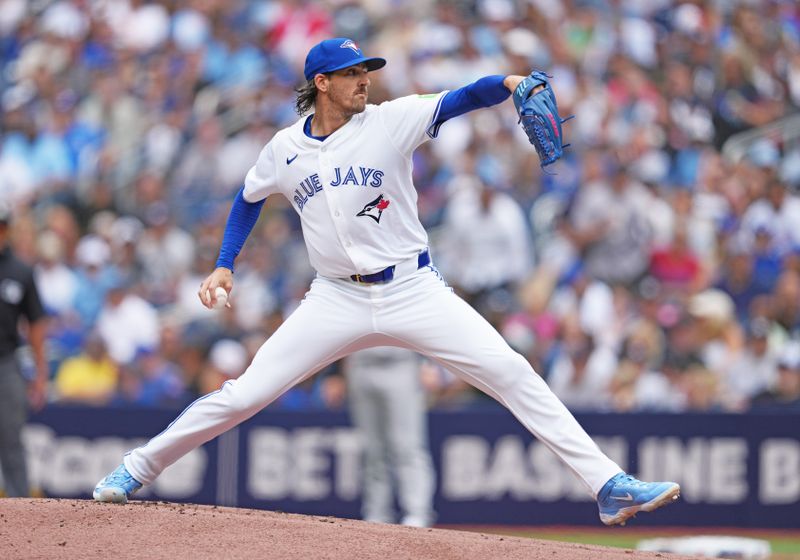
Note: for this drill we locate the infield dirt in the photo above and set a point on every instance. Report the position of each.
(83, 529)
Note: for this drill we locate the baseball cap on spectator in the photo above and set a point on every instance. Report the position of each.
(101, 223)
(229, 357)
(789, 358)
(764, 153)
(334, 54)
(190, 29)
(711, 304)
(126, 229)
(497, 10)
(524, 42)
(64, 20)
(687, 19)
(92, 251)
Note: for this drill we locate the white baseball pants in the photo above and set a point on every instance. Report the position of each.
(417, 311)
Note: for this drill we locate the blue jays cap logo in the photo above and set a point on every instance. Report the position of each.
(350, 44)
(335, 54)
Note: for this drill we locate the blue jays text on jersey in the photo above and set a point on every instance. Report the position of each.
(310, 186)
(364, 177)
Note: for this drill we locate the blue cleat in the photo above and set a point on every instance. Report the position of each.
(117, 487)
(624, 496)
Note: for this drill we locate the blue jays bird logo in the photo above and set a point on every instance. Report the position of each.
(350, 45)
(375, 208)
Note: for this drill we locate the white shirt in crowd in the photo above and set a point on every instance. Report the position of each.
(487, 248)
(129, 327)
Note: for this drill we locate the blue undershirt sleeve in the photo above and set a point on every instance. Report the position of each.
(485, 92)
(241, 220)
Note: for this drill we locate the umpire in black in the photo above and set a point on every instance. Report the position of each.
(18, 298)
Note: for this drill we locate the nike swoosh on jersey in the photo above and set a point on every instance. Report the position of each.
(626, 498)
(290, 160)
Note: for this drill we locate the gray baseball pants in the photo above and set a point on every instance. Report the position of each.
(13, 415)
(387, 406)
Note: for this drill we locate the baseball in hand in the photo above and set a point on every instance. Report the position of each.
(222, 297)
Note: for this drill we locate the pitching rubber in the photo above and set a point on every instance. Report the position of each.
(670, 495)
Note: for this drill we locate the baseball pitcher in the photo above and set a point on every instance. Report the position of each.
(346, 168)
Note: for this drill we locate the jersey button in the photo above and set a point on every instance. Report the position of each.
(336, 213)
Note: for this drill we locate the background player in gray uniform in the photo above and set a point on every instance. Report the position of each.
(387, 406)
(347, 170)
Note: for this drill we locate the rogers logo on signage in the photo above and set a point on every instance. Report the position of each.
(70, 466)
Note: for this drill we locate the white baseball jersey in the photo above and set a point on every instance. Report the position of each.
(354, 195)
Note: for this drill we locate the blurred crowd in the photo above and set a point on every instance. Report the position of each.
(649, 271)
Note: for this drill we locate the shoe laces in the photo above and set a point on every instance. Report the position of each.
(631, 481)
(119, 476)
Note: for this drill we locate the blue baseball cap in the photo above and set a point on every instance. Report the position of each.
(334, 54)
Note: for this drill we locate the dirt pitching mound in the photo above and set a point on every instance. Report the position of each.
(71, 529)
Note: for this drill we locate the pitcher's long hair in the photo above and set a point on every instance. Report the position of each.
(306, 97)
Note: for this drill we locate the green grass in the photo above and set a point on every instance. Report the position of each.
(784, 547)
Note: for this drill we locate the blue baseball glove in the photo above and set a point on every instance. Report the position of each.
(538, 114)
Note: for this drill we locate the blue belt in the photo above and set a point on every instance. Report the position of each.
(423, 259)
